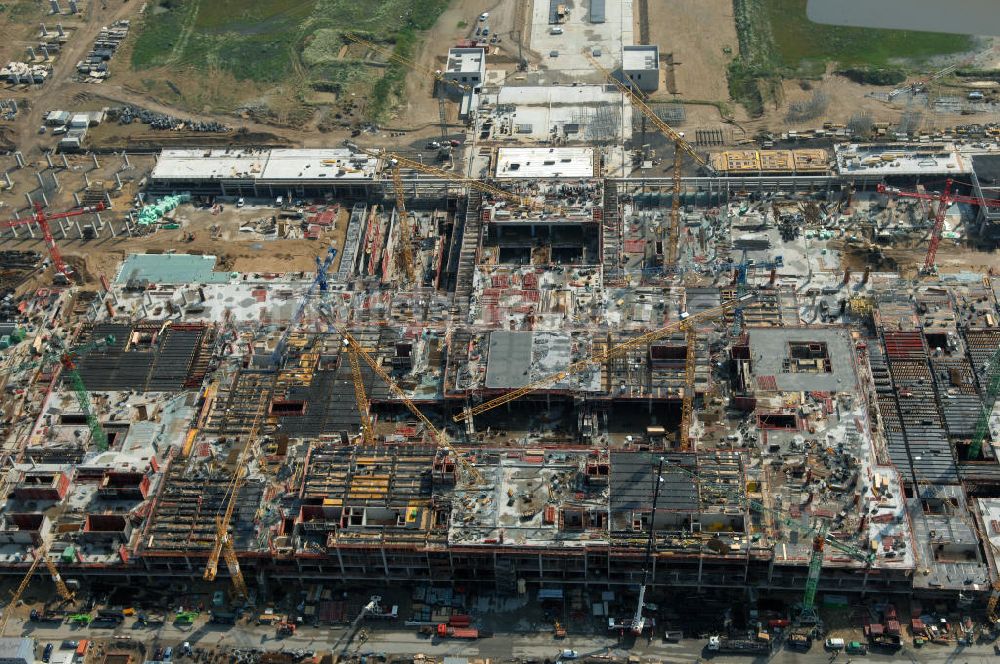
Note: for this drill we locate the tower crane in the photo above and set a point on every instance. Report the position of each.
(944, 200)
(67, 358)
(19, 592)
(687, 403)
(990, 395)
(364, 412)
(820, 539)
(356, 347)
(320, 280)
(436, 74)
(404, 256)
(39, 217)
(223, 540)
(680, 145)
(742, 270)
(602, 357)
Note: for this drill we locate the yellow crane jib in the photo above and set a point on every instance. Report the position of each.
(614, 351)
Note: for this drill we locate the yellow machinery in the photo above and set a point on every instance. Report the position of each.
(64, 592)
(681, 145)
(687, 403)
(223, 540)
(404, 255)
(9, 609)
(602, 357)
(356, 347)
(367, 434)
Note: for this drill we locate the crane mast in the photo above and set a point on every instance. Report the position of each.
(367, 434)
(404, 254)
(39, 217)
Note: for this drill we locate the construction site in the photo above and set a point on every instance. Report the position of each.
(529, 364)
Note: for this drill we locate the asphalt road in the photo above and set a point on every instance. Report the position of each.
(502, 646)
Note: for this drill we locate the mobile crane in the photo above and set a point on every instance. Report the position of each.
(604, 356)
(320, 282)
(367, 434)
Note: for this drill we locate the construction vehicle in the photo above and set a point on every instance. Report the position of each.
(638, 100)
(446, 631)
(64, 273)
(319, 281)
(990, 394)
(46, 616)
(285, 628)
(79, 619)
(40, 554)
(183, 618)
(604, 356)
(558, 631)
(739, 646)
(223, 540)
(944, 200)
(638, 623)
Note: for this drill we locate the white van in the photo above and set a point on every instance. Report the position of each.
(555, 31)
(835, 644)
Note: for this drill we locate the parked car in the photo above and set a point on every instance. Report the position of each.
(856, 648)
(484, 16)
(47, 653)
(568, 654)
(835, 644)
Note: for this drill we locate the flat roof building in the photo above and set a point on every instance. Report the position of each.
(466, 66)
(545, 163)
(641, 66)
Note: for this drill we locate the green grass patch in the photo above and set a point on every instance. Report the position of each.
(268, 41)
(462, 25)
(796, 38)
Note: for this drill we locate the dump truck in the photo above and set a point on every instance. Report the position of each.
(799, 641)
(285, 628)
(45, 616)
(723, 645)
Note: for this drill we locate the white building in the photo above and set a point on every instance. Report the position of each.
(466, 66)
(641, 64)
(16, 650)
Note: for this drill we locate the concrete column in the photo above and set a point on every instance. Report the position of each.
(125, 158)
(59, 29)
(44, 31)
(45, 200)
(107, 200)
(100, 222)
(128, 228)
(41, 182)
(31, 231)
(31, 53)
(86, 179)
(13, 231)
(97, 232)
(45, 53)
(72, 7)
(64, 227)
(19, 158)
(31, 203)
(111, 227)
(65, 161)
(79, 231)
(6, 177)
(48, 159)
(54, 5)
(96, 163)
(118, 182)
(55, 181)
(76, 199)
